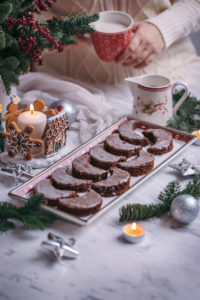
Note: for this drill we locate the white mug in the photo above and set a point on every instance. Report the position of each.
(153, 97)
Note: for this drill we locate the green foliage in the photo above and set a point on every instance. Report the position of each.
(9, 78)
(2, 39)
(30, 214)
(184, 120)
(9, 40)
(13, 61)
(5, 10)
(131, 212)
(74, 24)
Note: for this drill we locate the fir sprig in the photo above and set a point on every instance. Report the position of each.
(30, 214)
(23, 37)
(131, 212)
(184, 121)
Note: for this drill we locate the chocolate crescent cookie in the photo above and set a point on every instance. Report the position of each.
(162, 141)
(82, 168)
(128, 134)
(51, 194)
(90, 203)
(103, 159)
(117, 146)
(62, 180)
(139, 165)
(116, 184)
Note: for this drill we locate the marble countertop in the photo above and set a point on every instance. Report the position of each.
(164, 266)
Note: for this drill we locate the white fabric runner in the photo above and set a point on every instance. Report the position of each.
(98, 106)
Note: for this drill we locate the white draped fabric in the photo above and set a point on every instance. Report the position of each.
(98, 106)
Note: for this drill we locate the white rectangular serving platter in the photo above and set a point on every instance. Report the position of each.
(181, 141)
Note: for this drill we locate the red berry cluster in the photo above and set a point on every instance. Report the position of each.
(27, 19)
(29, 44)
(43, 5)
(44, 31)
(30, 47)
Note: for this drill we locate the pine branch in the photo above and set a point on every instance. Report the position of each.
(131, 212)
(23, 38)
(184, 120)
(30, 214)
(2, 39)
(74, 24)
(5, 9)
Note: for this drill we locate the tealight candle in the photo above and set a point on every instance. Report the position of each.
(35, 118)
(197, 133)
(133, 233)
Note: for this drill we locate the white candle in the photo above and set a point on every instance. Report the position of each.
(35, 118)
(133, 233)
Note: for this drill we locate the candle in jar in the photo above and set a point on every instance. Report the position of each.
(197, 133)
(35, 118)
(133, 233)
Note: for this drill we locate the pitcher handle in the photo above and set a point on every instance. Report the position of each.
(182, 99)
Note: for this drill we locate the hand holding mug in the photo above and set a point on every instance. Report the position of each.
(146, 43)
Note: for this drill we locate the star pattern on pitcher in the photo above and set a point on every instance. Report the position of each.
(19, 141)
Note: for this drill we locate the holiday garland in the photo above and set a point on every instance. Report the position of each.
(131, 212)
(23, 37)
(30, 214)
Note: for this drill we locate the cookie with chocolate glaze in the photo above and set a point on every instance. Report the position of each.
(51, 194)
(139, 165)
(128, 134)
(62, 180)
(116, 184)
(162, 141)
(117, 146)
(82, 168)
(90, 203)
(103, 159)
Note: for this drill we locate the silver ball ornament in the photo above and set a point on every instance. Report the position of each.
(184, 208)
(68, 107)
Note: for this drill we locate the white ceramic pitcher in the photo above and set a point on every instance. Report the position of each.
(153, 100)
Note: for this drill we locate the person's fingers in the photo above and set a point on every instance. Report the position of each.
(123, 56)
(138, 58)
(146, 62)
(135, 42)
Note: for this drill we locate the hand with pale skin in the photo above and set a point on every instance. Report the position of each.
(146, 43)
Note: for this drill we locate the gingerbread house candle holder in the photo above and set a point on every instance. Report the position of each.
(55, 134)
(46, 133)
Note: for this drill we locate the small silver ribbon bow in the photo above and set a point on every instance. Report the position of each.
(18, 170)
(186, 168)
(58, 248)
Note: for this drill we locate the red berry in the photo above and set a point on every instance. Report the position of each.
(59, 108)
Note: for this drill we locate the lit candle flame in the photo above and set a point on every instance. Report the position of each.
(31, 109)
(134, 226)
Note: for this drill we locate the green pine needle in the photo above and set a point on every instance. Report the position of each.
(133, 212)
(184, 120)
(5, 9)
(30, 214)
(2, 40)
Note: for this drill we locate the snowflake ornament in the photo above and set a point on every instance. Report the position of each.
(19, 141)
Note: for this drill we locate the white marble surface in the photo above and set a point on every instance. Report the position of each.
(165, 266)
